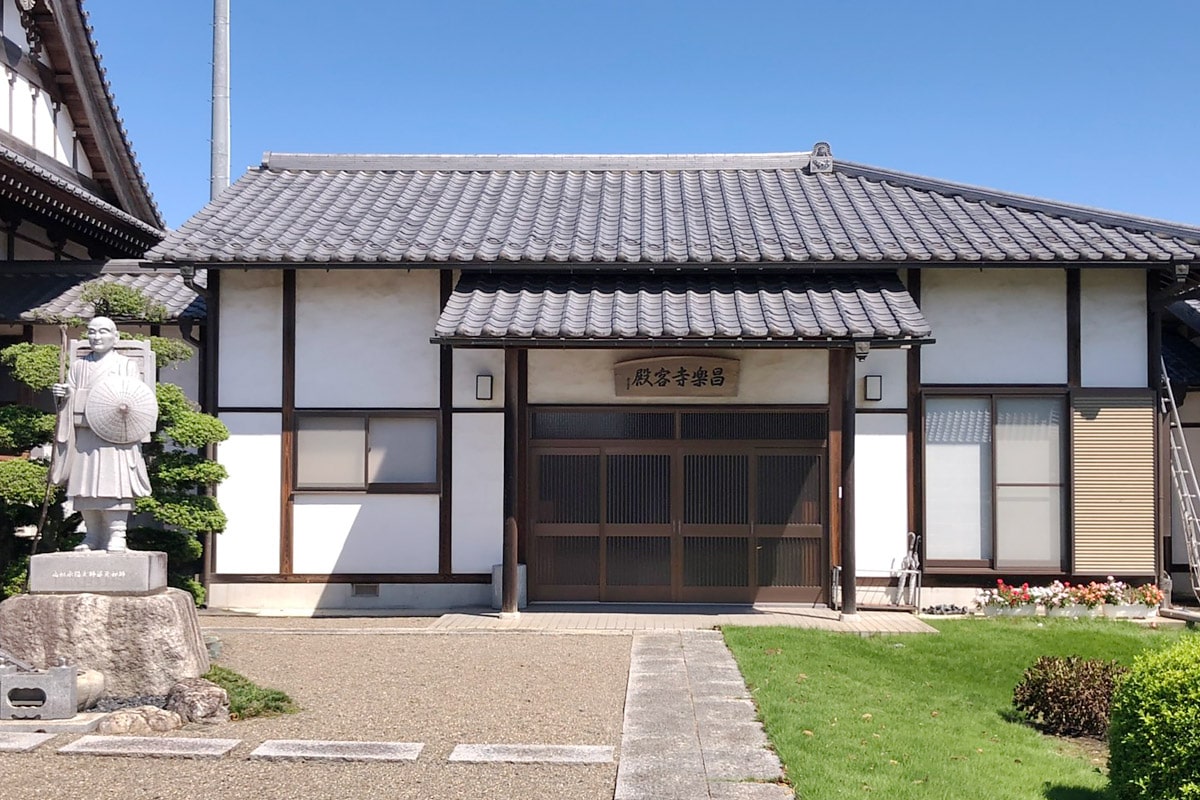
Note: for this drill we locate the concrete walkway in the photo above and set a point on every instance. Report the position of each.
(690, 729)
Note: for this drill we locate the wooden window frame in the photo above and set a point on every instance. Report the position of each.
(991, 394)
(366, 487)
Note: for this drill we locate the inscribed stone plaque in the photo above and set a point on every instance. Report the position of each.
(130, 572)
(677, 376)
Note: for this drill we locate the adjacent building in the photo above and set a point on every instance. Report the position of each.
(684, 378)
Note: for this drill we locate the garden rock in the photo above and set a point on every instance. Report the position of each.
(89, 688)
(140, 720)
(143, 644)
(199, 700)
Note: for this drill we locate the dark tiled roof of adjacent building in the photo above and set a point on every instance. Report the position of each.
(762, 209)
(642, 306)
(68, 39)
(30, 184)
(1182, 359)
(44, 295)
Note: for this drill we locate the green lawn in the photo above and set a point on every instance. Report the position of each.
(924, 716)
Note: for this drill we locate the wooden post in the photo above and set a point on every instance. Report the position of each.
(509, 583)
(849, 403)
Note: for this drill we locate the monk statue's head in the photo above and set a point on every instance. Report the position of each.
(102, 334)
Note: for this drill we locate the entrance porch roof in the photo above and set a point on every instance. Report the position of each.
(724, 309)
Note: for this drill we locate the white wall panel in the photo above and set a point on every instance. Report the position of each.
(250, 495)
(892, 366)
(468, 363)
(380, 533)
(477, 499)
(880, 491)
(250, 355)
(767, 376)
(43, 124)
(995, 326)
(22, 110)
(362, 338)
(1113, 327)
(185, 375)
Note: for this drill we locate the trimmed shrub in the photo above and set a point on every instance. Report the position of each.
(1068, 696)
(1154, 740)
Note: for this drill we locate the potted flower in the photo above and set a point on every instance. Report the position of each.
(1089, 597)
(1140, 602)
(1058, 600)
(1009, 601)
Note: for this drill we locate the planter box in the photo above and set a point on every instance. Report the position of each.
(1130, 611)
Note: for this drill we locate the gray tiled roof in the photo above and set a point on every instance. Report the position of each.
(688, 209)
(640, 306)
(37, 296)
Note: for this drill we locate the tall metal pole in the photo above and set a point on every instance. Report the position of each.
(219, 179)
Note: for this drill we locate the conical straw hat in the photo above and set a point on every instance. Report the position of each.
(121, 409)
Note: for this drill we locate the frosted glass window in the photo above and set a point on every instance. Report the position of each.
(1029, 440)
(958, 478)
(331, 452)
(1029, 526)
(403, 450)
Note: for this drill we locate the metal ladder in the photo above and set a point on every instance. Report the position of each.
(1183, 481)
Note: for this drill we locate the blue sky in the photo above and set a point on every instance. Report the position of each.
(1094, 102)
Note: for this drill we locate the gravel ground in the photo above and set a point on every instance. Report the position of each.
(440, 690)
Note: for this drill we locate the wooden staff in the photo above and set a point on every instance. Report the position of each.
(62, 377)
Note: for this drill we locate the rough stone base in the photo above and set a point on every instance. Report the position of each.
(143, 645)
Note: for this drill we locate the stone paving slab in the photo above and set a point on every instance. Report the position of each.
(316, 750)
(749, 791)
(23, 742)
(80, 723)
(150, 746)
(532, 753)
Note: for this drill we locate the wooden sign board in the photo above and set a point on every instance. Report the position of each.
(677, 376)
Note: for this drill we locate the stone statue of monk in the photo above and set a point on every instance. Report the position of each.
(102, 478)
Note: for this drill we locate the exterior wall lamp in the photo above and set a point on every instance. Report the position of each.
(483, 387)
(873, 387)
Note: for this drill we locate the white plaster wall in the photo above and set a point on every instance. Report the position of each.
(470, 362)
(250, 495)
(22, 110)
(477, 499)
(301, 599)
(362, 339)
(995, 326)
(250, 355)
(13, 29)
(381, 533)
(1113, 347)
(767, 376)
(43, 127)
(65, 134)
(12, 330)
(880, 491)
(892, 365)
(185, 375)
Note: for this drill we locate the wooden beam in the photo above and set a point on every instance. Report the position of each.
(288, 432)
(512, 447)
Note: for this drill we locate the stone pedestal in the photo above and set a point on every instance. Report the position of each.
(131, 572)
(143, 644)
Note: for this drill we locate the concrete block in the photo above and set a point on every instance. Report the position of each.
(38, 695)
(532, 753)
(151, 746)
(313, 750)
(131, 572)
(498, 586)
(22, 742)
(80, 723)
